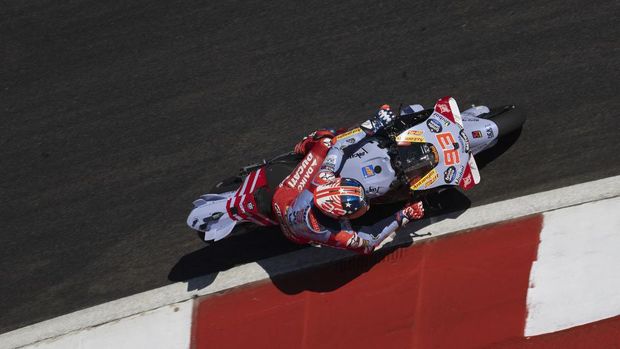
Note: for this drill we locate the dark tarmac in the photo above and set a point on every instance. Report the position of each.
(116, 115)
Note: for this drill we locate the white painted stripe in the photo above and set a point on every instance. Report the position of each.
(576, 279)
(474, 217)
(255, 180)
(163, 328)
(245, 183)
(473, 167)
(456, 113)
(233, 202)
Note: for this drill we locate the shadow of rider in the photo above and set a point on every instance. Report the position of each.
(257, 244)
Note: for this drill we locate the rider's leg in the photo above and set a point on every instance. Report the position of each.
(299, 180)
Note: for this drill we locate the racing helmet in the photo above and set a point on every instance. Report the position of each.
(342, 198)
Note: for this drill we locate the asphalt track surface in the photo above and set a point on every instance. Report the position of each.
(116, 115)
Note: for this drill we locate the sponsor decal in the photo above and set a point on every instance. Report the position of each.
(359, 154)
(460, 174)
(434, 125)
(441, 118)
(467, 181)
(426, 181)
(476, 134)
(312, 223)
(449, 174)
(444, 120)
(297, 217)
(489, 130)
(327, 142)
(350, 140)
(285, 228)
(443, 108)
(415, 132)
(368, 171)
(250, 206)
(450, 151)
(329, 163)
(372, 189)
(330, 160)
(349, 134)
(412, 136)
(466, 144)
(302, 174)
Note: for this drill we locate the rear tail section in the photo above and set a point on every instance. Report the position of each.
(211, 215)
(217, 214)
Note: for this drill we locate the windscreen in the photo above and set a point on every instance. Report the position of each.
(417, 159)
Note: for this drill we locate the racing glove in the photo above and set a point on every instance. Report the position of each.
(410, 212)
(304, 146)
(380, 121)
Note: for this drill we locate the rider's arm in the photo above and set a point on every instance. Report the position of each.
(304, 146)
(340, 143)
(363, 241)
(336, 154)
(367, 238)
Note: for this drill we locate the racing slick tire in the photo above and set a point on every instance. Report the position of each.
(507, 118)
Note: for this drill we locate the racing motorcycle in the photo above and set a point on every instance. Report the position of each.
(423, 151)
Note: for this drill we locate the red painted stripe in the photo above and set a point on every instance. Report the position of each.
(443, 107)
(262, 179)
(465, 290)
(230, 214)
(248, 182)
(240, 212)
(254, 180)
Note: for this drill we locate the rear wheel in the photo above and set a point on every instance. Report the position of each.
(228, 184)
(509, 121)
(507, 118)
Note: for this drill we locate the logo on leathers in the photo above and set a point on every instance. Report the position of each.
(283, 224)
(301, 176)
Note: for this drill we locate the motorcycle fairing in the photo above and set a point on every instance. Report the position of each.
(443, 129)
(370, 165)
(447, 107)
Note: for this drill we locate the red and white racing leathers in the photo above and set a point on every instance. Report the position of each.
(302, 223)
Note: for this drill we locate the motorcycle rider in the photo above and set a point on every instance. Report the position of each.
(314, 206)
